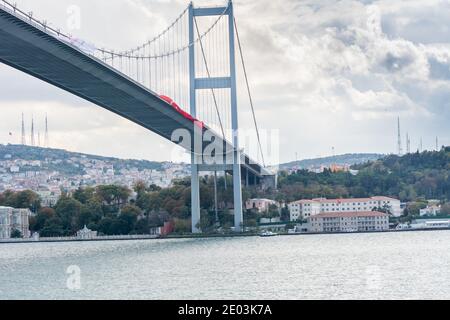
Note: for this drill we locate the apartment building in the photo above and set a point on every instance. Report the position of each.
(349, 222)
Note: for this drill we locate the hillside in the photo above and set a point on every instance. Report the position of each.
(349, 159)
(59, 160)
(14, 152)
(409, 178)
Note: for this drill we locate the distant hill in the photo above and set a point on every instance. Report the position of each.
(14, 152)
(345, 159)
(412, 177)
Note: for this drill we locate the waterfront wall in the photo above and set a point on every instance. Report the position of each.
(65, 239)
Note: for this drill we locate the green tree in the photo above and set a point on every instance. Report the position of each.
(142, 226)
(129, 217)
(38, 222)
(273, 212)
(84, 195)
(285, 214)
(23, 199)
(182, 226)
(413, 209)
(88, 216)
(53, 228)
(105, 226)
(120, 227)
(16, 234)
(112, 194)
(68, 211)
(140, 187)
(445, 209)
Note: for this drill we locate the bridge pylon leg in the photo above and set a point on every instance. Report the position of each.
(237, 191)
(195, 197)
(237, 182)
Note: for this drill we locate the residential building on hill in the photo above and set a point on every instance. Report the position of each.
(430, 211)
(49, 198)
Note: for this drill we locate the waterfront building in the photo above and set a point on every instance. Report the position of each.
(163, 231)
(86, 234)
(261, 205)
(431, 223)
(279, 226)
(5, 222)
(21, 221)
(349, 222)
(14, 219)
(303, 209)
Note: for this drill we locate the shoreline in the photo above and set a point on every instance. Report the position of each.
(175, 237)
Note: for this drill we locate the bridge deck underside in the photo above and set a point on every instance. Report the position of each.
(35, 52)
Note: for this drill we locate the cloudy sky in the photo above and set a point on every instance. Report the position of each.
(326, 73)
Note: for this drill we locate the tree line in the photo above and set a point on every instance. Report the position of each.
(413, 177)
(118, 210)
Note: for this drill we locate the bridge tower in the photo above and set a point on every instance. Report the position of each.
(227, 82)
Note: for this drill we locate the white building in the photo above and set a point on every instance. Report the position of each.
(304, 209)
(86, 234)
(430, 223)
(14, 169)
(14, 219)
(49, 198)
(5, 222)
(21, 221)
(261, 205)
(430, 211)
(349, 222)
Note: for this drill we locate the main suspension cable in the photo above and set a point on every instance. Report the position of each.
(209, 77)
(249, 92)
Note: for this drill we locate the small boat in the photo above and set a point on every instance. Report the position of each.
(268, 234)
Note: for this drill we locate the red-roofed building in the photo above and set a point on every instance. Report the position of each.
(349, 222)
(303, 209)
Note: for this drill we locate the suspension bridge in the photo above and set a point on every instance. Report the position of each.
(182, 79)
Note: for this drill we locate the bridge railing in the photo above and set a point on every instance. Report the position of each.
(28, 17)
